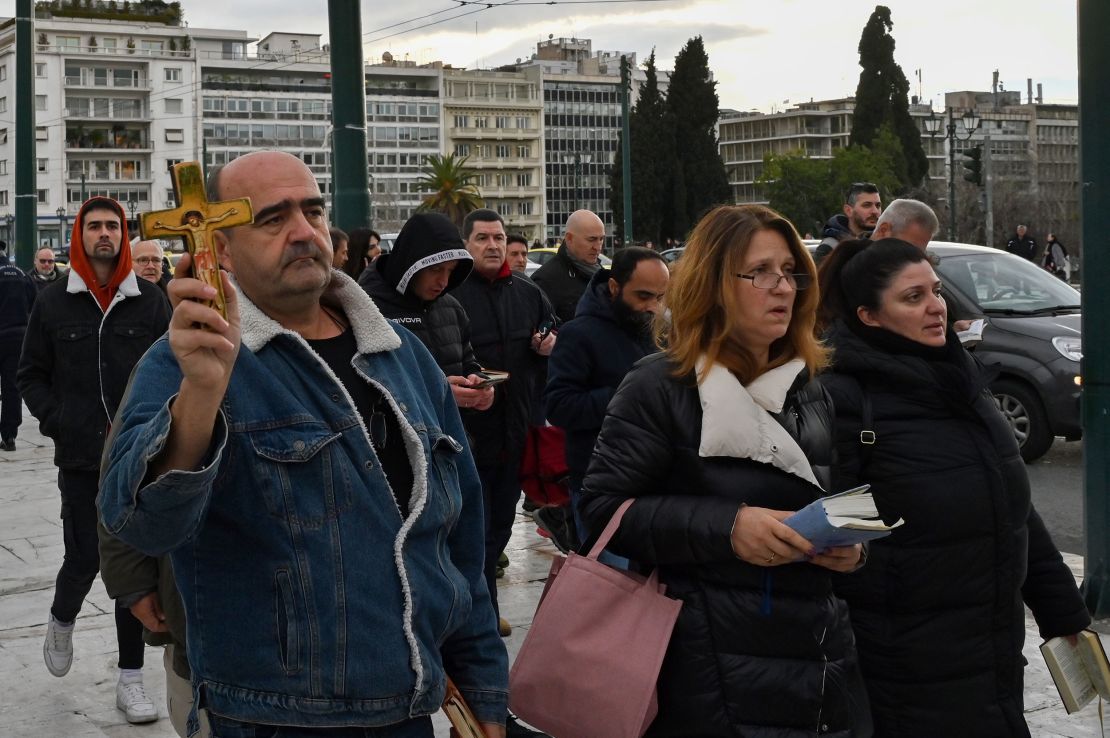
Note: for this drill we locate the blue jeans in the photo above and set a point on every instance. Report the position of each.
(226, 728)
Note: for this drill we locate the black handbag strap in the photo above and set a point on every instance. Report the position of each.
(867, 435)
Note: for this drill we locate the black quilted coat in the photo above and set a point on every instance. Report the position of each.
(757, 651)
(938, 610)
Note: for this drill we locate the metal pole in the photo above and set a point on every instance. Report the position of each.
(83, 196)
(988, 187)
(1094, 176)
(951, 176)
(349, 180)
(626, 146)
(26, 199)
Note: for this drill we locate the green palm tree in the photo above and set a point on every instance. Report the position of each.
(451, 185)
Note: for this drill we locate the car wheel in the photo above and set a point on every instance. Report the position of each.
(1022, 409)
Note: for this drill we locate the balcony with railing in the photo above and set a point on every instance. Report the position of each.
(95, 80)
(114, 137)
(105, 171)
(105, 109)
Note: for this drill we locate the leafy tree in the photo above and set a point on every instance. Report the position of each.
(807, 190)
(882, 97)
(697, 179)
(452, 187)
(650, 159)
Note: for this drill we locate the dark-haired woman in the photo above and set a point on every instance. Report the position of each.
(938, 610)
(718, 439)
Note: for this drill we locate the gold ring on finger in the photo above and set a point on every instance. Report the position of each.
(771, 558)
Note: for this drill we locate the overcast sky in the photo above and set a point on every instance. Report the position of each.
(762, 52)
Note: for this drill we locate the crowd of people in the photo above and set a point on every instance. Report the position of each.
(306, 503)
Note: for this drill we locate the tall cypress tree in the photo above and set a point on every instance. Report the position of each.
(882, 96)
(650, 157)
(697, 179)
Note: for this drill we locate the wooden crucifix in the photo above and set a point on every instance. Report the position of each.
(195, 219)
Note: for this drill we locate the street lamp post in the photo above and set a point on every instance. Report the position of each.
(970, 122)
(133, 205)
(61, 213)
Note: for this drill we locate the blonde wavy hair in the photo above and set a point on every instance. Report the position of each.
(703, 304)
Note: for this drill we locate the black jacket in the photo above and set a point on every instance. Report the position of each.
(938, 610)
(563, 283)
(757, 651)
(1025, 246)
(77, 359)
(17, 295)
(836, 230)
(42, 282)
(441, 325)
(590, 359)
(504, 315)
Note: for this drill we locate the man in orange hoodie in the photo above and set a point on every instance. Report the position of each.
(85, 334)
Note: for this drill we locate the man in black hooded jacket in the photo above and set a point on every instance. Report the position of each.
(410, 285)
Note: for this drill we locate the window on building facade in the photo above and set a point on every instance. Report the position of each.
(43, 197)
(40, 165)
(3, 166)
(40, 69)
(502, 151)
(524, 208)
(173, 105)
(109, 45)
(40, 102)
(3, 72)
(151, 46)
(171, 163)
(523, 122)
(175, 135)
(504, 180)
(41, 133)
(524, 151)
(462, 121)
(502, 121)
(68, 42)
(173, 74)
(3, 104)
(3, 197)
(524, 180)
(462, 149)
(3, 135)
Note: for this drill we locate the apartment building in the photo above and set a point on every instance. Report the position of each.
(582, 124)
(495, 119)
(113, 103)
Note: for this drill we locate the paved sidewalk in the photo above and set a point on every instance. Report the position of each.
(33, 704)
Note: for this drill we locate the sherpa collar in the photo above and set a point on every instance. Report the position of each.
(129, 287)
(373, 333)
(737, 422)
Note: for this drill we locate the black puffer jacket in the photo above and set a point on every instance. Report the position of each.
(590, 359)
(563, 283)
(938, 609)
(757, 651)
(441, 325)
(504, 315)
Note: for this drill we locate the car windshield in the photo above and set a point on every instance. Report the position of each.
(999, 283)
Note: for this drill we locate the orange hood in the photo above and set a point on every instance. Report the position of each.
(79, 260)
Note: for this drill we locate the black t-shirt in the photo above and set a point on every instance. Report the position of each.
(376, 412)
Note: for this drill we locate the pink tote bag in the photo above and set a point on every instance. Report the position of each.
(589, 665)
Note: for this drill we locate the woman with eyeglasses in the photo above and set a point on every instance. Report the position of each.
(939, 610)
(718, 439)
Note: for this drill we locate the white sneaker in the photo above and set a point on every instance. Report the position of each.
(57, 649)
(131, 698)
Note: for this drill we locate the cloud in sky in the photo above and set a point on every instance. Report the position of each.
(761, 53)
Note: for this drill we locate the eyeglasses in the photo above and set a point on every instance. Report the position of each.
(148, 260)
(770, 280)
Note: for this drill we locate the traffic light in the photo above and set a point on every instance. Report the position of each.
(973, 165)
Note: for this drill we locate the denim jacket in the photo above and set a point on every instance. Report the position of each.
(310, 600)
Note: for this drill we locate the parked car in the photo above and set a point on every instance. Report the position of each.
(1032, 336)
(672, 255)
(386, 243)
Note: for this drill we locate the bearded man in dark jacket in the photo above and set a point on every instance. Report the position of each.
(612, 331)
(410, 285)
(862, 207)
(564, 278)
